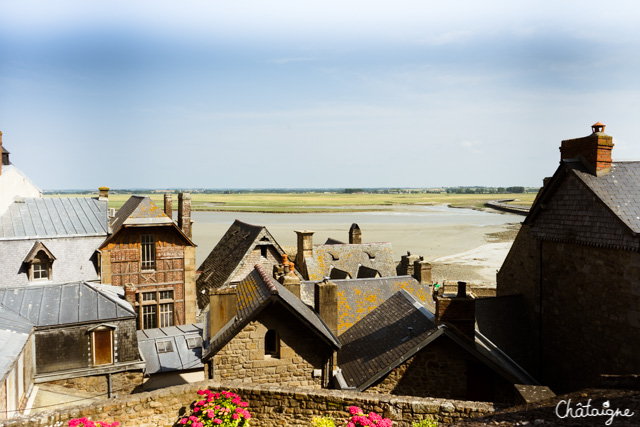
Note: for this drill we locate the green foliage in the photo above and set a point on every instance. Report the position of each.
(425, 423)
(322, 422)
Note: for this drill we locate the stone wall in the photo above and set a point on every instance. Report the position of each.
(590, 303)
(269, 406)
(255, 257)
(301, 351)
(122, 383)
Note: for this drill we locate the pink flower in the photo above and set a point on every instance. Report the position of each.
(183, 421)
(375, 417)
(217, 421)
(200, 392)
(354, 410)
(244, 404)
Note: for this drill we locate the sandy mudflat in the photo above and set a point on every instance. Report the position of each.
(458, 252)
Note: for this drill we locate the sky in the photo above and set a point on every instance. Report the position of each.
(312, 94)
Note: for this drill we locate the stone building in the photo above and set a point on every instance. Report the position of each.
(240, 249)
(153, 259)
(264, 328)
(402, 348)
(51, 240)
(80, 332)
(338, 260)
(576, 266)
(13, 183)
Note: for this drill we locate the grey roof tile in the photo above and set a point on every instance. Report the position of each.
(54, 217)
(180, 358)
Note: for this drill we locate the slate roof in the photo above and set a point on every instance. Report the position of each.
(66, 303)
(139, 210)
(228, 256)
(395, 331)
(181, 357)
(349, 258)
(14, 334)
(54, 217)
(579, 207)
(256, 292)
(357, 297)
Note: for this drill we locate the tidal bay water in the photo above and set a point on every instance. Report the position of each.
(431, 231)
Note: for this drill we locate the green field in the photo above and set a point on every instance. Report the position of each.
(317, 202)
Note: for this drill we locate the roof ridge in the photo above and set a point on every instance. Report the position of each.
(266, 279)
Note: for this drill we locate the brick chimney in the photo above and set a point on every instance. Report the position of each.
(355, 235)
(594, 151)
(325, 295)
(103, 194)
(222, 308)
(168, 205)
(305, 249)
(458, 311)
(184, 213)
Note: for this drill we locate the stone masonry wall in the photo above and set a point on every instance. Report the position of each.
(121, 383)
(590, 308)
(255, 257)
(269, 405)
(243, 358)
(439, 370)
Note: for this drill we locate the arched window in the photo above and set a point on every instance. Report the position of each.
(272, 344)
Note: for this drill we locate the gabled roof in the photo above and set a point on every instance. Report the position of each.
(349, 258)
(357, 297)
(229, 255)
(141, 211)
(395, 331)
(579, 207)
(33, 252)
(54, 217)
(66, 303)
(180, 357)
(254, 294)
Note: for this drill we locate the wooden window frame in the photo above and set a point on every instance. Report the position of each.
(147, 252)
(162, 306)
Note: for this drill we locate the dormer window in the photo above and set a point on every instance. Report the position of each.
(40, 262)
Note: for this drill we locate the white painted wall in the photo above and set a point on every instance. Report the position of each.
(14, 183)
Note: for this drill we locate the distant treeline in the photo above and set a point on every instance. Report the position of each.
(491, 190)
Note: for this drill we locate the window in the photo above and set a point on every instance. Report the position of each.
(155, 309)
(148, 248)
(164, 346)
(271, 344)
(102, 346)
(39, 262)
(194, 342)
(263, 251)
(149, 316)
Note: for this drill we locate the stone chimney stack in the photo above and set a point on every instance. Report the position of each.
(222, 308)
(184, 213)
(103, 194)
(458, 311)
(285, 274)
(422, 271)
(355, 235)
(305, 249)
(168, 205)
(326, 303)
(407, 263)
(594, 151)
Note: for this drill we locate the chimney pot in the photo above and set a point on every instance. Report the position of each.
(598, 127)
(103, 194)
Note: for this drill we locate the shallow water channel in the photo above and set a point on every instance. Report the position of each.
(432, 231)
